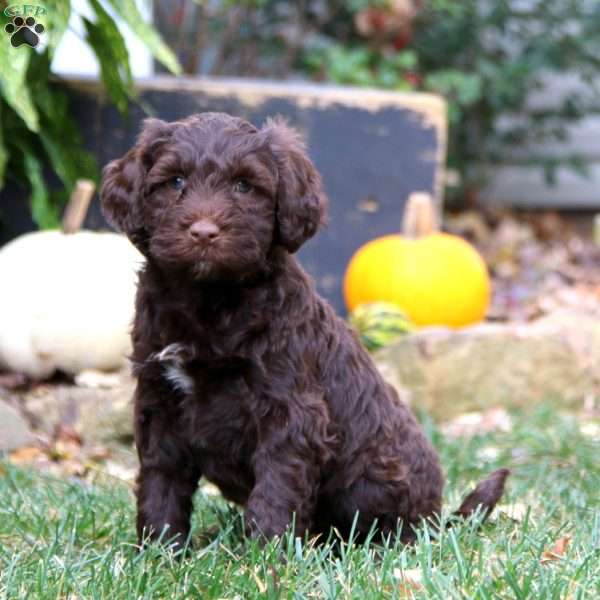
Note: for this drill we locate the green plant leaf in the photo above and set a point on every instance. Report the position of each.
(58, 134)
(108, 44)
(42, 211)
(56, 21)
(13, 70)
(466, 88)
(407, 59)
(578, 165)
(128, 11)
(3, 151)
(69, 161)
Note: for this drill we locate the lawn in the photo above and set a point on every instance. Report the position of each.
(75, 539)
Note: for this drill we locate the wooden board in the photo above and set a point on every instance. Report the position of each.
(372, 147)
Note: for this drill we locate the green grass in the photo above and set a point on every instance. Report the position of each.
(76, 540)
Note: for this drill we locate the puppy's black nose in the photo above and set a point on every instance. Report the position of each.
(204, 230)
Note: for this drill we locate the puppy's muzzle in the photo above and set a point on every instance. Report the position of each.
(204, 231)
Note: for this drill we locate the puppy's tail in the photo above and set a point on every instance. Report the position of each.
(485, 496)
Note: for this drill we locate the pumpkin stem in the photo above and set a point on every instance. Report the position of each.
(78, 205)
(419, 217)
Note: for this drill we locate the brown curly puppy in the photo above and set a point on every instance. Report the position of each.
(245, 375)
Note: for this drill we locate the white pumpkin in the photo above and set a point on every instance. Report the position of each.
(66, 302)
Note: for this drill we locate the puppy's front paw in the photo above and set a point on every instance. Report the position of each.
(179, 543)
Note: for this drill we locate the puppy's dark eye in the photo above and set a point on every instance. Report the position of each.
(241, 186)
(177, 183)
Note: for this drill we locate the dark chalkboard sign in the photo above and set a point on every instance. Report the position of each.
(373, 148)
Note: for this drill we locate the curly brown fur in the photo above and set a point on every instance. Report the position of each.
(245, 375)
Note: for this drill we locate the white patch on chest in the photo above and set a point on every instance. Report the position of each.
(173, 358)
(179, 379)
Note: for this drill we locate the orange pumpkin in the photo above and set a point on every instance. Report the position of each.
(435, 278)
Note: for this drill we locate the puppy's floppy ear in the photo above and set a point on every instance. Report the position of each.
(301, 202)
(123, 182)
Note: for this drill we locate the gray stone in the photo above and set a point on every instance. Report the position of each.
(447, 372)
(14, 431)
(99, 415)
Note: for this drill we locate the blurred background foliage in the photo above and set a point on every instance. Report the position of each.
(490, 59)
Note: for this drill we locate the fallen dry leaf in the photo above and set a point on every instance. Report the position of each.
(25, 455)
(67, 443)
(472, 423)
(72, 468)
(558, 550)
(409, 582)
(67, 433)
(64, 450)
(539, 263)
(99, 453)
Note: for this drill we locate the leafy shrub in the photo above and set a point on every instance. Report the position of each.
(35, 126)
(486, 57)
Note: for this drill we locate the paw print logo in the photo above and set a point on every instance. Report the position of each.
(24, 31)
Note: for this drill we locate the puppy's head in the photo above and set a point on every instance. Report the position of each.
(212, 195)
